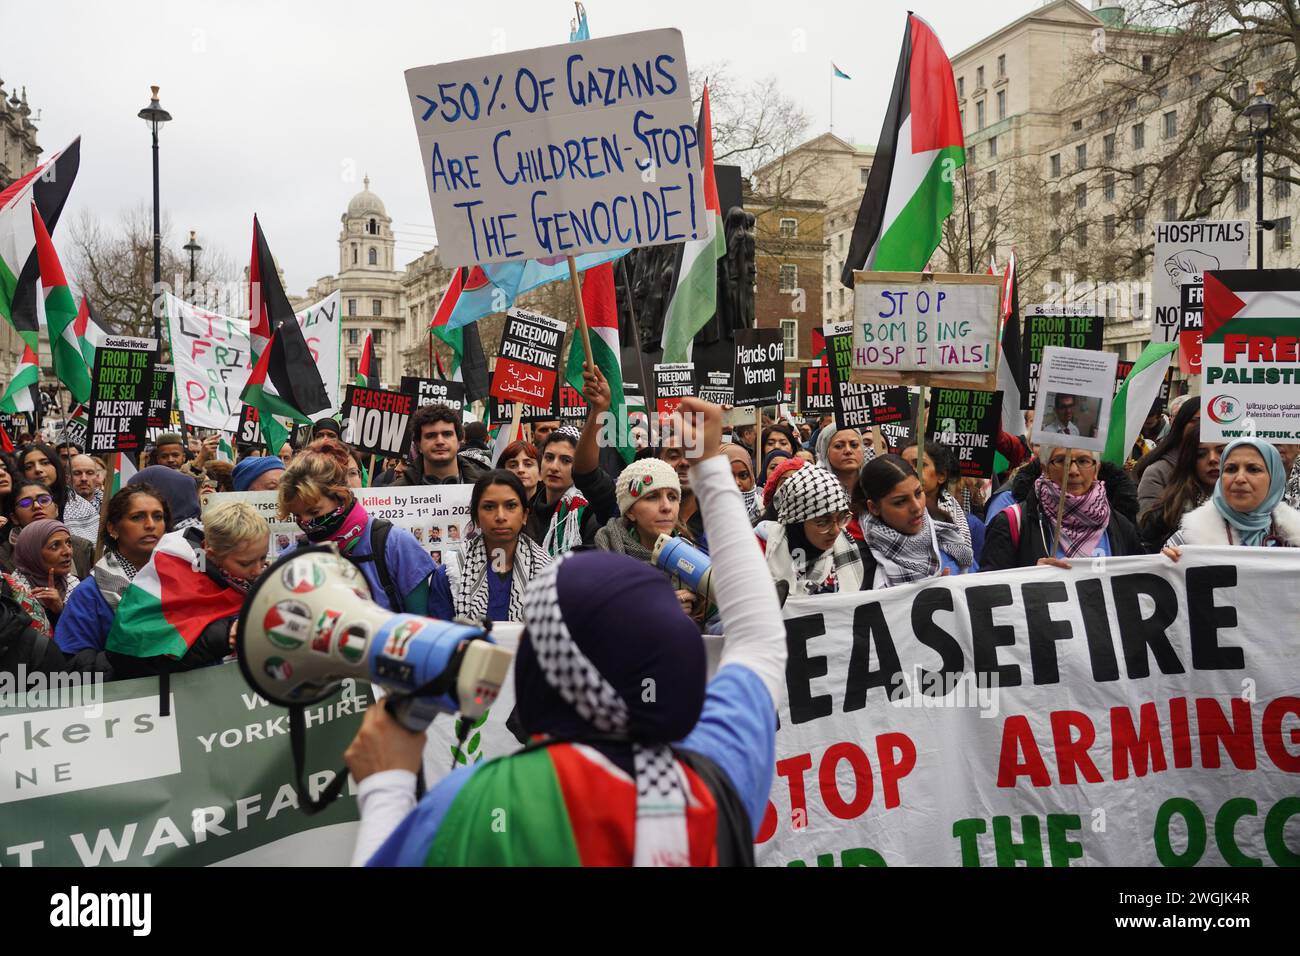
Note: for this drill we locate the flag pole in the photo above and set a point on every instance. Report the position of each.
(636, 329)
(582, 315)
(111, 462)
(970, 223)
(920, 437)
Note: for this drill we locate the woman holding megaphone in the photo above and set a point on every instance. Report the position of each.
(636, 758)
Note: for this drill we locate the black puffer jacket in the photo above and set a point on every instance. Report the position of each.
(1000, 552)
(21, 645)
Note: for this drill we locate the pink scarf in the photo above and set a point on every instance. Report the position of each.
(1085, 519)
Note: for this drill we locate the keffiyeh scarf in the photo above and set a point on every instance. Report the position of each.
(661, 837)
(954, 539)
(565, 530)
(470, 592)
(904, 557)
(837, 569)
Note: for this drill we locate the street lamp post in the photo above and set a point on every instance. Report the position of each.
(1260, 115)
(154, 115)
(192, 248)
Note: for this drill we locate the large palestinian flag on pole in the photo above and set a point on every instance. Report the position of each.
(169, 603)
(285, 380)
(469, 365)
(59, 309)
(909, 190)
(600, 305)
(47, 186)
(368, 367)
(694, 299)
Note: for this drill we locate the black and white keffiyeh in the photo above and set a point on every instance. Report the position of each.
(470, 592)
(955, 538)
(902, 557)
(661, 837)
(809, 492)
(1292, 493)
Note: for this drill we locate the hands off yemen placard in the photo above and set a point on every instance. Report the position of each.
(1075, 391)
(760, 367)
(561, 150)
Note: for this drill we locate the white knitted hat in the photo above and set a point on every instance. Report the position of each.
(641, 478)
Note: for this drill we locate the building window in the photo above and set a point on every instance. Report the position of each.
(1148, 61)
(1239, 93)
(1056, 204)
(1108, 187)
(352, 306)
(993, 147)
(1139, 135)
(1141, 305)
(828, 273)
(354, 255)
(1140, 180)
(373, 256)
(865, 171)
(1081, 156)
(1054, 163)
(1081, 235)
(828, 298)
(1077, 125)
(1171, 208)
(1002, 66)
(1160, 92)
(1140, 222)
(1169, 124)
(1241, 196)
(963, 117)
(372, 227)
(991, 180)
(979, 77)
(1282, 233)
(1081, 196)
(789, 278)
(352, 336)
(1194, 80)
(979, 114)
(1108, 146)
(844, 297)
(991, 216)
(376, 306)
(1056, 276)
(1054, 238)
(789, 228)
(353, 365)
(1002, 104)
(1282, 185)
(790, 338)
(961, 87)
(1110, 227)
(377, 336)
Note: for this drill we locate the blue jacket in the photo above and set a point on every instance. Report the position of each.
(85, 621)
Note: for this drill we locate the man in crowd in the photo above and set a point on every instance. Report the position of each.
(258, 474)
(438, 433)
(67, 451)
(542, 431)
(169, 450)
(87, 479)
(325, 428)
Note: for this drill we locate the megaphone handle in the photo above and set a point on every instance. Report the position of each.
(298, 745)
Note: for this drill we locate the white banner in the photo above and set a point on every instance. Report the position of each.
(437, 515)
(211, 354)
(1143, 713)
(561, 150)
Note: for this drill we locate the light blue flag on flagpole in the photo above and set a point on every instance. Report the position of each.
(578, 28)
(839, 74)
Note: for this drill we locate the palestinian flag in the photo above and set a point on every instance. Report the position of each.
(600, 304)
(1133, 402)
(368, 368)
(469, 365)
(285, 380)
(47, 186)
(21, 393)
(60, 312)
(169, 603)
(909, 190)
(90, 330)
(124, 469)
(694, 299)
(569, 806)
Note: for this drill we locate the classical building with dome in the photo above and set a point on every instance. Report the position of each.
(377, 296)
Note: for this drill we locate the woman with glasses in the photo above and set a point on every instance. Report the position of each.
(33, 501)
(807, 549)
(1095, 519)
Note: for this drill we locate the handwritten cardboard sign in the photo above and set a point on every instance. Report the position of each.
(925, 328)
(561, 150)
(528, 359)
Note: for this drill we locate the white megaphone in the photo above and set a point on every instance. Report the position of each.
(309, 623)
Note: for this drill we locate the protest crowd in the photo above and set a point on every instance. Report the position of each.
(654, 519)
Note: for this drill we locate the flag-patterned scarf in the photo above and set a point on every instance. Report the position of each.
(565, 530)
(1085, 518)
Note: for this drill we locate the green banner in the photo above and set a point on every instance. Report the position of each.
(101, 779)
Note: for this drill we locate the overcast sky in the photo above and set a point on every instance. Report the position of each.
(281, 107)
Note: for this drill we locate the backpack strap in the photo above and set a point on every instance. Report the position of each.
(379, 529)
(1013, 522)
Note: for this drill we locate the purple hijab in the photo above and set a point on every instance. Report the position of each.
(27, 553)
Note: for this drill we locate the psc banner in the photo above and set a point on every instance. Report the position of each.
(1127, 712)
(93, 775)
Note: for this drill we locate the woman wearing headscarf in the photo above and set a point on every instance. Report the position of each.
(1098, 502)
(1192, 483)
(806, 548)
(649, 499)
(43, 564)
(772, 460)
(498, 560)
(742, 469)
(1246, 507)
(180, 611)
(314, 490)
(138, 516)
(901, 541)
(614, 775)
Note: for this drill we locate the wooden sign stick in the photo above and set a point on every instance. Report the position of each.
(1060, 505)
(582, 315)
